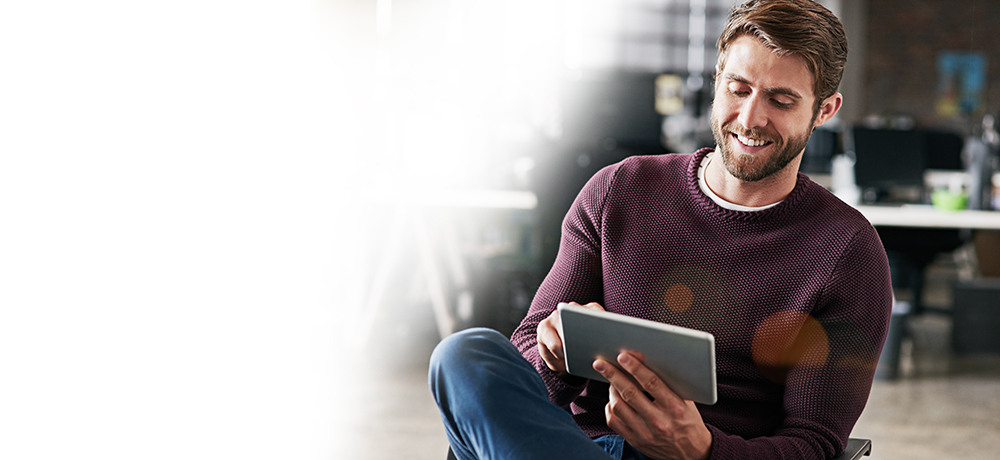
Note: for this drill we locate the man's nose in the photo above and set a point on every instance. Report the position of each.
(753, 113)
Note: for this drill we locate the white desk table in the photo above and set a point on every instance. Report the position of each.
(926, 216)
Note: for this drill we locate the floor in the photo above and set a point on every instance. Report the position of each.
(941, 406)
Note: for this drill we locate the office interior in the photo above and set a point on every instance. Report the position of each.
(635, 78)
(238, 229)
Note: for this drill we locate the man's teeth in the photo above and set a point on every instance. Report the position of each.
(751, 142)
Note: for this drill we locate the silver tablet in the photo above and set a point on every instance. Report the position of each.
(683, 358)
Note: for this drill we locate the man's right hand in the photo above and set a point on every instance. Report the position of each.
(550, 343)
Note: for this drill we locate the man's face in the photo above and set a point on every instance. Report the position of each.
(763, 112)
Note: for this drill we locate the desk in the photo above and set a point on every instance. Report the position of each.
(926, 216)
(904, 220)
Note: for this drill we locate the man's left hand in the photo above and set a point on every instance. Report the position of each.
(660, 425)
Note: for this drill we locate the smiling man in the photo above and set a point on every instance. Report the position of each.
(792, 282)
(762, 129)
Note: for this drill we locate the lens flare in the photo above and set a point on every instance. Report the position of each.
(787, 340)
(678, 298)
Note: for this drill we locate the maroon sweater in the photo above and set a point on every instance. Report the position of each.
(798, 297)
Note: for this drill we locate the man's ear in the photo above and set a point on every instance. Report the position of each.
(828, 109)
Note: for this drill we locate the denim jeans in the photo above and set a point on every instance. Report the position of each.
(495, 405)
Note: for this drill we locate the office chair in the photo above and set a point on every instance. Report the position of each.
(856, 448)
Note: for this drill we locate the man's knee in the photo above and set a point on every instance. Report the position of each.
(474, 373)
(466, 348)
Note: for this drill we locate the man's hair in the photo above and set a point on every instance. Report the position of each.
(793, 27)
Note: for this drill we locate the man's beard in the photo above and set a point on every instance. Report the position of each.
(751, 168)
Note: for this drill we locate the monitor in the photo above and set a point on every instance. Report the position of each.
(616, 110)
(818, 157)
(944, 150)
(886, 159)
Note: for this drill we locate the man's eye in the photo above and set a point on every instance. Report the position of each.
(738, 89)
(781, 105)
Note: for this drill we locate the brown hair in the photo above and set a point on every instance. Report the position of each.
(793, 27)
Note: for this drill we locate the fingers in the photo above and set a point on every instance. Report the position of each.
(634, 363)
(622, 418)
(548, 334)
(591, 305)
(636, 382)
(550, 343)
(651, 417)
(627, 389)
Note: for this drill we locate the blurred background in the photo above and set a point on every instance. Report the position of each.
(237, 229)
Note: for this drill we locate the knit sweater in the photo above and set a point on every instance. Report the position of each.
(798, 297)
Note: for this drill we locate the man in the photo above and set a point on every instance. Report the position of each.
(792, 282)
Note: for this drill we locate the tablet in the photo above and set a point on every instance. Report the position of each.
(683, 358)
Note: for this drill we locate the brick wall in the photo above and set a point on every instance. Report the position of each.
(904, 39)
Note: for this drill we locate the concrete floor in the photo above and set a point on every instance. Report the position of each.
(941, 406)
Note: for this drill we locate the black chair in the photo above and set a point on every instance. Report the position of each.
(856, 448)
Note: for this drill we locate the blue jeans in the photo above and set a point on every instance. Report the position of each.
(495, 405)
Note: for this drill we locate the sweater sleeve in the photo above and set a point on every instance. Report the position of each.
(831, 364)
(576, 276)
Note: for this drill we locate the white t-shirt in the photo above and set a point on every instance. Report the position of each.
(718, 200)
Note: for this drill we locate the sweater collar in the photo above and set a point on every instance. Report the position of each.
(801, 186)
(703, 185)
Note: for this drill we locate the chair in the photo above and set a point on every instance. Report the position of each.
(856, 448)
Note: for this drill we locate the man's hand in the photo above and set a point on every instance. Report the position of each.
(664, 427)
(550, 343)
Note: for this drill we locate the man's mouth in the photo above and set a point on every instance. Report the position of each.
(751, 142)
